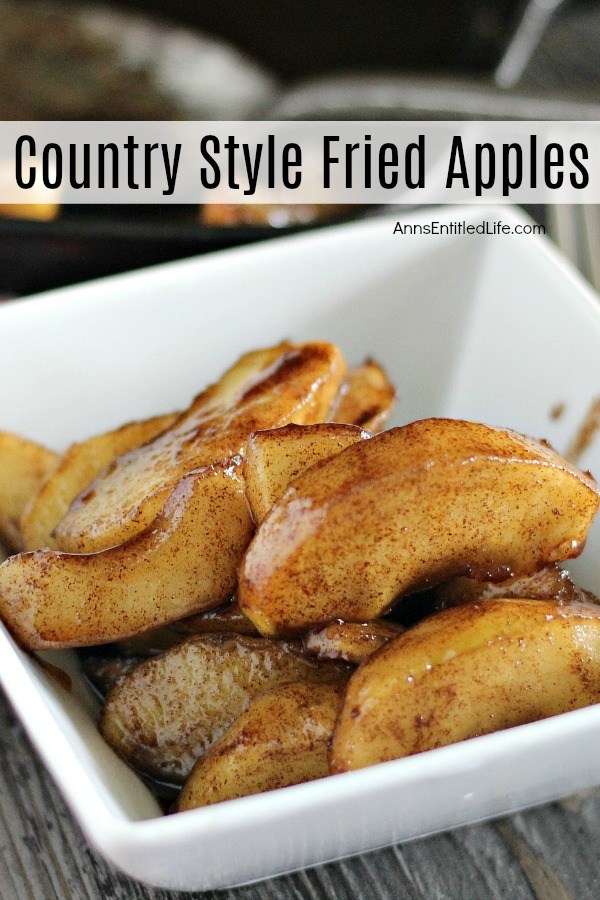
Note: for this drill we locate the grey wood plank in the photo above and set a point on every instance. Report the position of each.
(543, 879)
(565, 837)
(469, 863)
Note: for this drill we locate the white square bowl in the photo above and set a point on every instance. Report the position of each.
(493, 328)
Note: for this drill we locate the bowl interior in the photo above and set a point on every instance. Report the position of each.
(496, 329)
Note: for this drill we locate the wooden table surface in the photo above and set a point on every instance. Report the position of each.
(550, 853)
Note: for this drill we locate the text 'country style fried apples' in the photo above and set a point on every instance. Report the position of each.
(265, 389)
(276, 457)
(408, 509)
(24, 466)
(170, 709)
(74, 471)
(469, 671)
(280, 740)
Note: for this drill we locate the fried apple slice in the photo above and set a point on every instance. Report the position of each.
(170, 709)
(407, 509)
(469, 671)
(280, 740)
(74, 471)
(24, 465)
(276, 456)
(352, 642)
(185, 561)
(366, 398)
(550, 583)
(265, 389)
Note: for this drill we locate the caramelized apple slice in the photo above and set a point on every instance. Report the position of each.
(265, 389)
(407, 509)
(170, 709)
(366, 398)
(223, 619)
(550, 583)
(468, 671)
(280, 740)
(352, 642)
(74, 471)
(183, 562)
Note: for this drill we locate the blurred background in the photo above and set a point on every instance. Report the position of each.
(234, 59)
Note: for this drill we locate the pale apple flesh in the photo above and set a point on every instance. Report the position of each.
(366, 397)
(24, 466)
(408, 509)
(465, 672)
(352, 642)
(170, 709)
(74, 471)
(277, 456)
(265, 389)
(280, 740)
